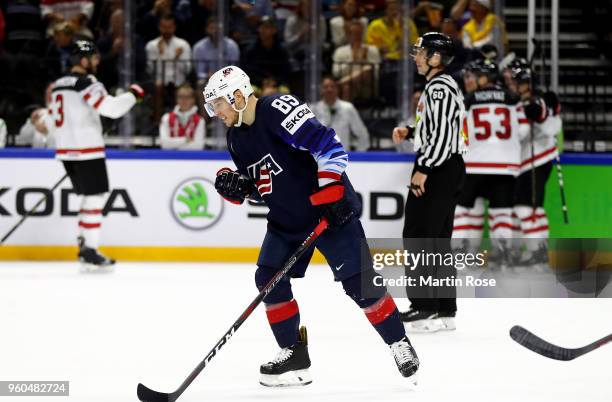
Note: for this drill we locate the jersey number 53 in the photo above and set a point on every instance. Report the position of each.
(488, 120)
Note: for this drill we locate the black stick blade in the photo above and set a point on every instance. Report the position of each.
(148, 395)
(539, 345)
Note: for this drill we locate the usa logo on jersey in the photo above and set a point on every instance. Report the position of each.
(263, 171)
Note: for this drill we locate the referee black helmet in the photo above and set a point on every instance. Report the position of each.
(435, 42)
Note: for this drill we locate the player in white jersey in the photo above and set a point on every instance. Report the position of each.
(543, 112)
(77, 102)
(493, 125)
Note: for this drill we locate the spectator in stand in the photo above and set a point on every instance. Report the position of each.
(168, 61)
(77, 12)
(339, 25)
(267, 57)
(462, 55)
(183, 128)
(59, 50)
(356, 65)
(193, 19)
(483, 27)
(341, 116)
(23, 32)
(270, 86)
(35, 132)
(245, 17)
(297, 30)
(386, 32)
(111, 46)
(206, 51)
(148, 25)
(373, 6)
(428, 15)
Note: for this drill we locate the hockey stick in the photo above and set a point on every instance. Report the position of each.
(561, 189)
(148, 395)
(30, 212)
(540, 346)
(538, 48)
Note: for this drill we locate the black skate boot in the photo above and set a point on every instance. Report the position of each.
(421, 321)
(290, 367)
(537, 259)
(406, 358)
(91, 260)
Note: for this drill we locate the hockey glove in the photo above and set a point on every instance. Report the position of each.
(332, 204)
(233, 186)
(552, 101)
(138, 92)
(535, 110)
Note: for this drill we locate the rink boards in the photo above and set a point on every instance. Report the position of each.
(163, 206)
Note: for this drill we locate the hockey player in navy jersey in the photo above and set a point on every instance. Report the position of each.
(290, 161)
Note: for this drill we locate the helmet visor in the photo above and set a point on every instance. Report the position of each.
(213, 106)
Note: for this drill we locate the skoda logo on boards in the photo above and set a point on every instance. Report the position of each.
(195, 204)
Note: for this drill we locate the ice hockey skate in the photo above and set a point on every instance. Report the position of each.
(406, 358)
(421, 321)
(92, 261)
(290, 367)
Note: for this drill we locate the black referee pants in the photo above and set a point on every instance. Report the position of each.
(428, 226)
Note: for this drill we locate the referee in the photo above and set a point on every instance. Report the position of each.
(437, 180)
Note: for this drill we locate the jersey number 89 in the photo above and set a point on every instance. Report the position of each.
(285, 103)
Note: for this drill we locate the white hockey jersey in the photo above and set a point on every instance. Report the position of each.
(494, 126)
(77, 101)
(545, 131)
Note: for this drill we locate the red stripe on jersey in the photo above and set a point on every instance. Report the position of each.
(505, 225)
(86, 97)
(493, 216)
(523, 121)
(538, 156)
(468, 227)
(380, 310)
(329, 175)
(467, 215)
(536, 229)
(281, 311)
(90, 211)
(98, 102)
(80, 151)
(533, 217)
(89, 225)
(491, 165)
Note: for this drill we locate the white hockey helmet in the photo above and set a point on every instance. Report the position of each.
(223, 84)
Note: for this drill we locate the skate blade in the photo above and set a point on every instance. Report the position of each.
(86, 268)
(413, 381)
(297, 378)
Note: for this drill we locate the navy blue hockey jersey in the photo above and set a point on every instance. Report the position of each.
(289, 154)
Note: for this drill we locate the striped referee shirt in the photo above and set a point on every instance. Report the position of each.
(439, 121)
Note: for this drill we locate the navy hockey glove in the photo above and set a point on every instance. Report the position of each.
(233, 186)
(330, 200)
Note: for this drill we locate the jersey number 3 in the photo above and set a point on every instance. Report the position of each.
(59, 100)
(482, 126)
(285, 103)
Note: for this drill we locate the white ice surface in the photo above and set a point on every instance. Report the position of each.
(153, 323)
